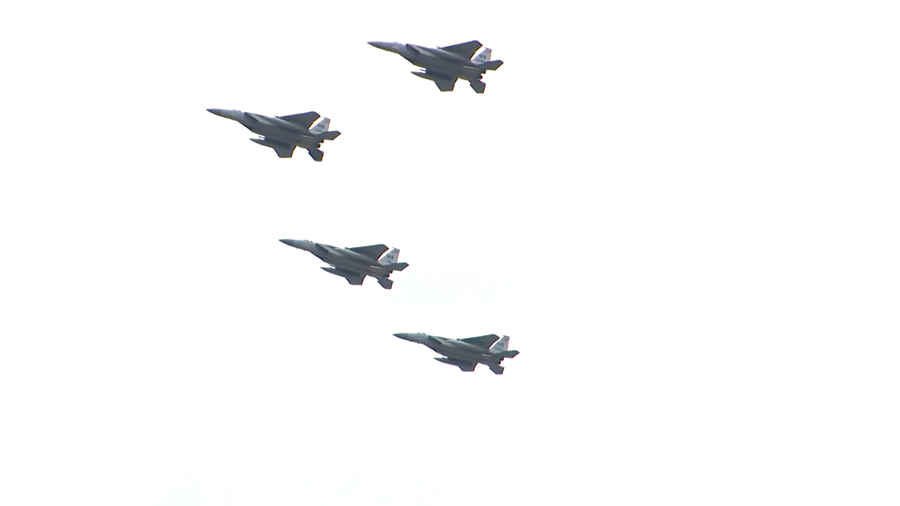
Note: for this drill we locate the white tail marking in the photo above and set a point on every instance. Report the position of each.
(391, 257)
(501, 345)
(321, 127)
(483, 57)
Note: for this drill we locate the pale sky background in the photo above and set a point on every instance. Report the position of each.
(685, 214)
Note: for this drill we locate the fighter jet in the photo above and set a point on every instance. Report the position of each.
(466, 353)
(284, 133)
(444, 65)
(355, 264)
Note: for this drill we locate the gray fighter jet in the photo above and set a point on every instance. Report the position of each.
(284, 133)
(444, 65)
(355, 264)
(466, 353)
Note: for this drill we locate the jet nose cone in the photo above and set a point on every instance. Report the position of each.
(232, 114)
(386, 46)
(289, 242)
(402, 335)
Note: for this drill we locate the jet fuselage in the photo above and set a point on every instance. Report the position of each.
(453, 348)
(434, 59)
(342, 258)
(273, 128)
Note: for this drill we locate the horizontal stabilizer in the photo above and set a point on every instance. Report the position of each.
(509, 354)
(316, 154)
(496, 368)
(490, 65)
(329, 136)
(399, 266)
(385, 283)
(478, 86)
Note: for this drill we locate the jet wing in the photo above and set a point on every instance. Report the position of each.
(304, 119)
(466, 366)
(466, 49)
(482, 341)
(374, 251)
(445, 84)
(443, 81)
(281, 149)
(284, 151)
(353, 278)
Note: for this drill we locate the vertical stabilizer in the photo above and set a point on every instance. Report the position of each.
(321, 127)
(483, 57)
(316, 154)
(501, 345)
(390, 258)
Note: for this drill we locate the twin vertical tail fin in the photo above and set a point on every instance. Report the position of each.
(484, 63)
(321, 127)
(484, 56)
(391, 257)
(501, 345)
(501, 348)
(390, 260)
(316, 154)
(320, 130)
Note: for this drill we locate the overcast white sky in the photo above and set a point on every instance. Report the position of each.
(685, 214)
